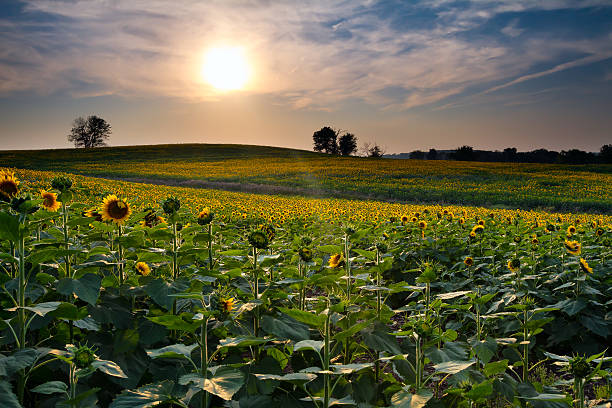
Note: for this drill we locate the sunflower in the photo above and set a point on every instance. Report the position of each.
(461, 220)
(151, 219)
(115, 209)
(205, 216)
(573, 247)
(336, 261)
(571, 230)
(585, 266)
(477, 229)
(50, 202)
(227, 304)
(8, 185)
(422, 224)
(93, 213)
(143, 268)
(414, 219)
(514, 265)
(305, 254)
(599, 232)
(535, 241)
(468, 261)
(481, 223)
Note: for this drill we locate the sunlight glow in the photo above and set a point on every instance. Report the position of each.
(226, 68)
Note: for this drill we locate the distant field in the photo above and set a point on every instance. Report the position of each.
(552, 187)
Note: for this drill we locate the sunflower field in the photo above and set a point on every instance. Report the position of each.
(129, 295)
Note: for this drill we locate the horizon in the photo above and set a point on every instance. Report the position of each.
(406, 76)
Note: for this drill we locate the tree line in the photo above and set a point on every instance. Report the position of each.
(511, 155)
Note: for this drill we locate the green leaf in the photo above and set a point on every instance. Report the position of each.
(86, 288)
(173, 351)
(51, 387)
(349, 368)
(453, 367)
(7, 398)
(331, 249)
(40, 309)
(371, 255)
(241, 341)
(69, 311)
(310, 319)
(224, 384)
(17, 361)
(294, 378)
(144, 397)
(285, 327)
(9, 227)
(174, 322)
(109, 368)
(495, 368)
(485, 349)
(159, 290)
(482, 390)
(315, 345)
(406, 399)
(377, 338)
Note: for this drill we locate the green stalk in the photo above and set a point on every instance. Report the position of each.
(210, 254)
(418, 362)
(256, 285)
(66, 243)
(348, 268)
(525, 348)
(174, 254)
(120, 252)
(378, 294)
(22, 318)
(204, 360)
(326, 358)
(303, 285)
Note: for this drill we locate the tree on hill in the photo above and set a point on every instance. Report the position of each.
(325, 140)
(92, 131)
(417, 154)
(432, 154)
(347, 145)
(370, 150)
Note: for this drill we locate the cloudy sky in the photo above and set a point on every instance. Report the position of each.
(404, 74)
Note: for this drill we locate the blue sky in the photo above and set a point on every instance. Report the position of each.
(405, 74)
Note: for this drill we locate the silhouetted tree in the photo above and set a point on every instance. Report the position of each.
(417, 154)
(347, 145)
(432, 154)
(325, 140)
(90, 132)
(375, 150)
(605, 153)
(575, 156)
(464, 153)
(510, 154)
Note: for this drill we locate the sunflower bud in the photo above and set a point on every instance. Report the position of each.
(258, 239)
(579, 367)
(305, 254)
(83, 357)
(61, 183)
(171, 205)
(205, 216)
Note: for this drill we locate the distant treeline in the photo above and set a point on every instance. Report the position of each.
(510, 154)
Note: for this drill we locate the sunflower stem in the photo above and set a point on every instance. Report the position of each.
(210, 253)
(22, 318)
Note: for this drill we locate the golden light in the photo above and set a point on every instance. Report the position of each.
(226, 68)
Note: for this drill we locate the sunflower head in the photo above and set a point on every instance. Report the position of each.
(468, 261)
(171, 205)
(585, 266)
(414, 219)
(422, 224)
(478, 228)
(481, 222)
(9, 185)
(572, 247)
(143, 269)
(579, 367)
(258, 239)
(404, 219)
(151, 219)
(517, 239)
(83, 356)
(305, 254)
(571, 230)
(461, 220)
(336, 261)
(599, 232)
(514, 265)
(535, 241)
(205, 216)
(50, 202)
(550, 227)
(115, 209)
(226, 305)
(93, 213)
(61, 183)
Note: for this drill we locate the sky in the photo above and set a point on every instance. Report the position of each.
(403, 74)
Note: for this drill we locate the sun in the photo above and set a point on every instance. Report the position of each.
(226, 68)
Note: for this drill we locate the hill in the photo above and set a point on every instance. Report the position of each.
(288, 171)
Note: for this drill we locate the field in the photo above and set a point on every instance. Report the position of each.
(568, 188)
(127, 294)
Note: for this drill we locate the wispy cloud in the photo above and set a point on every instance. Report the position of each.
(310, 55)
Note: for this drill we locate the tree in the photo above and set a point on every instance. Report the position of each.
(90, 132)
(347, 144)
(375, 150)
(605, 153)
(510, 154)
(417, 154)
(464, 153)
(432, 154)
(325, 140)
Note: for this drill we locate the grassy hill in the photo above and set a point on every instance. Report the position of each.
(279, 170)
